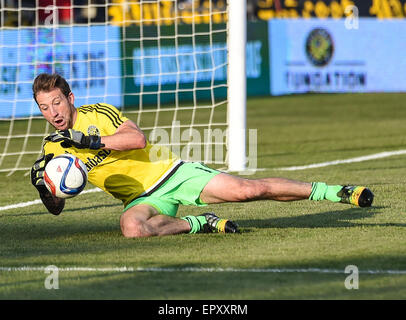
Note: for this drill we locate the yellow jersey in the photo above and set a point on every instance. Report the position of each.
(125, 175)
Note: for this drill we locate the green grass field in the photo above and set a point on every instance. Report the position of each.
(292, 131)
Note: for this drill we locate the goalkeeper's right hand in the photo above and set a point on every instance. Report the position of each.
(37, 172)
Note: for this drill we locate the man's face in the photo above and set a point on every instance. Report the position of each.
(57, 109)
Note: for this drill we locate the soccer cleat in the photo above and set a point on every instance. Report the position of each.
(206, 229)
(216, 224)
(358, 196)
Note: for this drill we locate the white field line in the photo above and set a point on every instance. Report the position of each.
(294, 168)
(351, 160)
(38, 201)
(196, 269)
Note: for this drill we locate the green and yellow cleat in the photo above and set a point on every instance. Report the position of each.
(358, 196)
(216, 224)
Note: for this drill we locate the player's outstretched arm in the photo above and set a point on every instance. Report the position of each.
(128, 136)
(53, 204)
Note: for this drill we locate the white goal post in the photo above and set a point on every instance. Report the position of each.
(237, 93)
(175, 67)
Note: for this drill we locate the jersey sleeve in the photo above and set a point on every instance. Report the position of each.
(111, 113)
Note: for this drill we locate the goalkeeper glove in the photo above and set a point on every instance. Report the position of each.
(37, 172)
(74, 138)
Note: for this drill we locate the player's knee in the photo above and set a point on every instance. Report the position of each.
(133, 228)
(252, 190)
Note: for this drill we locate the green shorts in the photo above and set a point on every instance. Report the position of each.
(183, 187)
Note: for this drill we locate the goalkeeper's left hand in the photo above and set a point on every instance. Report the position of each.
(73, 138)
(37, 172)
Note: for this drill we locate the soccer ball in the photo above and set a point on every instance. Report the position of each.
(65, 176)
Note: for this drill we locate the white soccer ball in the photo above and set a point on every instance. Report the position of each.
(65, 176)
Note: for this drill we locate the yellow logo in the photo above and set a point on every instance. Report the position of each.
(319, 47)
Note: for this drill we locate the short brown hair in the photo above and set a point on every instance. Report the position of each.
(47, 82)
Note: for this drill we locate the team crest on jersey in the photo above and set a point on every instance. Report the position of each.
(93, 131)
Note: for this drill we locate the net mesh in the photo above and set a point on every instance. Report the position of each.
(163, 63)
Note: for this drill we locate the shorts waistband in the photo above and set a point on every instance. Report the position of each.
(165, 178)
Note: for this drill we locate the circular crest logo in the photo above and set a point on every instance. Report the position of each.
(93, 131)
(319, 47)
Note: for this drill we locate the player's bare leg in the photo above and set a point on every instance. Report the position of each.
(228, 188)
(144, 221)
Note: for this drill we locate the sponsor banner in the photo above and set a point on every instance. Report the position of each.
(186, 68)
(334, 56)
(88, 57)
(125, 13)
(121, 13)
(269, 9)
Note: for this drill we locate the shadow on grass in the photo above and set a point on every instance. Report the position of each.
(329, 219)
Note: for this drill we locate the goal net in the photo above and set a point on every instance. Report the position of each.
(164, 64)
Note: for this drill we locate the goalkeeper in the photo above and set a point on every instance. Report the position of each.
(150, 180)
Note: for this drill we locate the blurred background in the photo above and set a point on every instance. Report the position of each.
(31, 12)
(293, 46)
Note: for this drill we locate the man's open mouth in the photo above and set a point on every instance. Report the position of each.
(58, 121)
